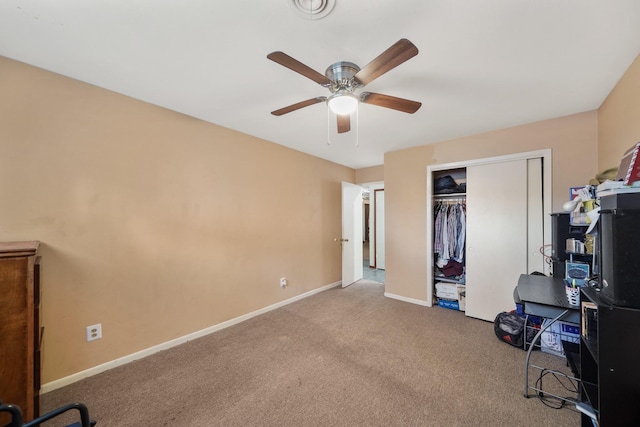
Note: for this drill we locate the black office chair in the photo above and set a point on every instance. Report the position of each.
(17, 421)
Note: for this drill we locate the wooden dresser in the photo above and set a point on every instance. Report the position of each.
(20, 335)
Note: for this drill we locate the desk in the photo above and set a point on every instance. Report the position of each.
(544, 296)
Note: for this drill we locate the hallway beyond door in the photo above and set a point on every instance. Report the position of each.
(369, 273)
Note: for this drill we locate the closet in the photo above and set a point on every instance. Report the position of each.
(504, 201)
(449, 237)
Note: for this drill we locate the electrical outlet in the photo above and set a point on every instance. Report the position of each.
(94, 332)
(283, 282)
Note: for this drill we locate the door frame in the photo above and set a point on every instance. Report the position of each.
(373, 186)
(379, 249)
(545, 154)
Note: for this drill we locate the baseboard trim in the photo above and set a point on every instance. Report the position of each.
(53, 385)
(405, 299)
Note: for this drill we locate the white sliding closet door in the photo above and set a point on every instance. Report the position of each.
(497, 195)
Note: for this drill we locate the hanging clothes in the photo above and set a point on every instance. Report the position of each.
(449, 231)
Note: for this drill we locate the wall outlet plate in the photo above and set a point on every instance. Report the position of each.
(94, 332)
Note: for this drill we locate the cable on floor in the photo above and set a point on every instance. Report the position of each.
(558, 402)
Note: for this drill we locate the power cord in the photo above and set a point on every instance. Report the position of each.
(543, 249)
(558, 402)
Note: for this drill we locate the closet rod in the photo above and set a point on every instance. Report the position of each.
(450, 201)
(448, 195)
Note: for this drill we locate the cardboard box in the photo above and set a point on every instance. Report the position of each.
(462, 297)
(551, 339)
(447, 290)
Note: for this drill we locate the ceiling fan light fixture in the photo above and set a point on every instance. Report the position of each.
(343, 103)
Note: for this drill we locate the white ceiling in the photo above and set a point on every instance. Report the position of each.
(483, 64)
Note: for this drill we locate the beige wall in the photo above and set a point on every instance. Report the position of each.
(573, 141)
(619, 119)
(370, 174)
(153, 223)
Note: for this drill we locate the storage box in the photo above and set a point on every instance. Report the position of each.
(551, 339)
(462, 297)
(447, 303)
(447, 290)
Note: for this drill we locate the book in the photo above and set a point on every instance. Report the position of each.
(629, 169)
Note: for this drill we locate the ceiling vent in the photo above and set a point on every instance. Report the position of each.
(313, 9)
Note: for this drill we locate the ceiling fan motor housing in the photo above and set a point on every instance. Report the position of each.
(341, 75)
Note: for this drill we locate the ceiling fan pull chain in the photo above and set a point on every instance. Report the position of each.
(328, 126)
(357, 114)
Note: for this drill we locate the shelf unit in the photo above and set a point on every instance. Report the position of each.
(20, 329)
(563, 229)
(609, 368)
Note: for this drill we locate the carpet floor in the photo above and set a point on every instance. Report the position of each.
(343, 357)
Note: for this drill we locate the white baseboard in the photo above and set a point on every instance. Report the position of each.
(405, 299)
(53, 385)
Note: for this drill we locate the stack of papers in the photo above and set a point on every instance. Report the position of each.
(616, 187)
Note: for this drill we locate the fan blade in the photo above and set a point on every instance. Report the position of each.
(344, 123)
(298, 105)
(392, 102)
(400, 52)
(297, 66)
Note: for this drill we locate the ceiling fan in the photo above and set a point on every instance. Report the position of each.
(343, 78)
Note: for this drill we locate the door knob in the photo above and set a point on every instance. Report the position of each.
(344, 240)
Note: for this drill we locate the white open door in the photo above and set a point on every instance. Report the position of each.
(351, 240)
